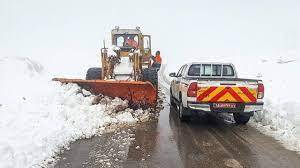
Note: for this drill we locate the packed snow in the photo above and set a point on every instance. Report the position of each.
(109, 150)
(39, 117)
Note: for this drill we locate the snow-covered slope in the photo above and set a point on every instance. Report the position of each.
(281, 115)
(39, 116)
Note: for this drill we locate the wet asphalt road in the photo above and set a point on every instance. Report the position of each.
(203, 142)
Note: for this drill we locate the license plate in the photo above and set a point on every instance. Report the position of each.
(224, 105)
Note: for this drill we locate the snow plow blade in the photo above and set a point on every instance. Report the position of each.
(139, 94)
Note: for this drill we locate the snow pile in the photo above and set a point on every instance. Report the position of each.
(277, 120)
(115, 48)
(281, 115)
(111, 51)
(39, 116)
(164, 78)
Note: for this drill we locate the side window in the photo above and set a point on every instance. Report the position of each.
(136, 38)
(194, 70)
(180, 71)
(216, 70)
(183, 70)
(146, 42)
(206, 70)
(228, 70)
(120, 41)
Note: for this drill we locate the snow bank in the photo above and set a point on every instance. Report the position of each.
(281, 115)
(39, 116)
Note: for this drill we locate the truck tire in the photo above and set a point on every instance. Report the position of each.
(150, 74)
(241, 119)
(172, 101)
(182, 113)
(93, 73)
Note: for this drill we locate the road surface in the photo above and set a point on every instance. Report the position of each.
(166, 142)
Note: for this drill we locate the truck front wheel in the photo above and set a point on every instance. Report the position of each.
(240, 118)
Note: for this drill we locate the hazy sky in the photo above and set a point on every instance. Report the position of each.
(67, 35)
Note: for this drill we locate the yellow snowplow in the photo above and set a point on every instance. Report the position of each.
(126, 70)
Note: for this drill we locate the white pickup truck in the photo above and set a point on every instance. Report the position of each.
(215, 88)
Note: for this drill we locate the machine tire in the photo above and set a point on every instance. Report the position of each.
(93, 73)
(150, 74)
(241, 119)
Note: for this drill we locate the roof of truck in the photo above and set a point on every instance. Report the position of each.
(227, 63)
(126, 31)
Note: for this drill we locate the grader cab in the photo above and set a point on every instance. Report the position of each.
(125, 70)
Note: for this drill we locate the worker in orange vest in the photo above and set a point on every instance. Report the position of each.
(158, 57)
(157, 60)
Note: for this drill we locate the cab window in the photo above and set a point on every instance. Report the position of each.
(127, 40)
(146, 42)
(194, 70)
(228, 70)
(206, 70)
(216, 70)
(120, 41)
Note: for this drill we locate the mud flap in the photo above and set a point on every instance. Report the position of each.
(139, 94)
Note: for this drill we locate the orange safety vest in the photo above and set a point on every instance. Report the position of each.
(158, 59)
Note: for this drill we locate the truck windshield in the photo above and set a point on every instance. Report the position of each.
(210, 70)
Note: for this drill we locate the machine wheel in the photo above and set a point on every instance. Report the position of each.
(182, 113)
(241, 119)
(93, 73)
(150, 74)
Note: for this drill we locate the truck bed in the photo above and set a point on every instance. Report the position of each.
(223, 79)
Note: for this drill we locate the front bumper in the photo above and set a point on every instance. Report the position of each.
(240, 107)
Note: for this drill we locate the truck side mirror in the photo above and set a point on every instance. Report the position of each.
(173, 74)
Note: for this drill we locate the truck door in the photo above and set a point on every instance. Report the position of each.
(177, 82)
